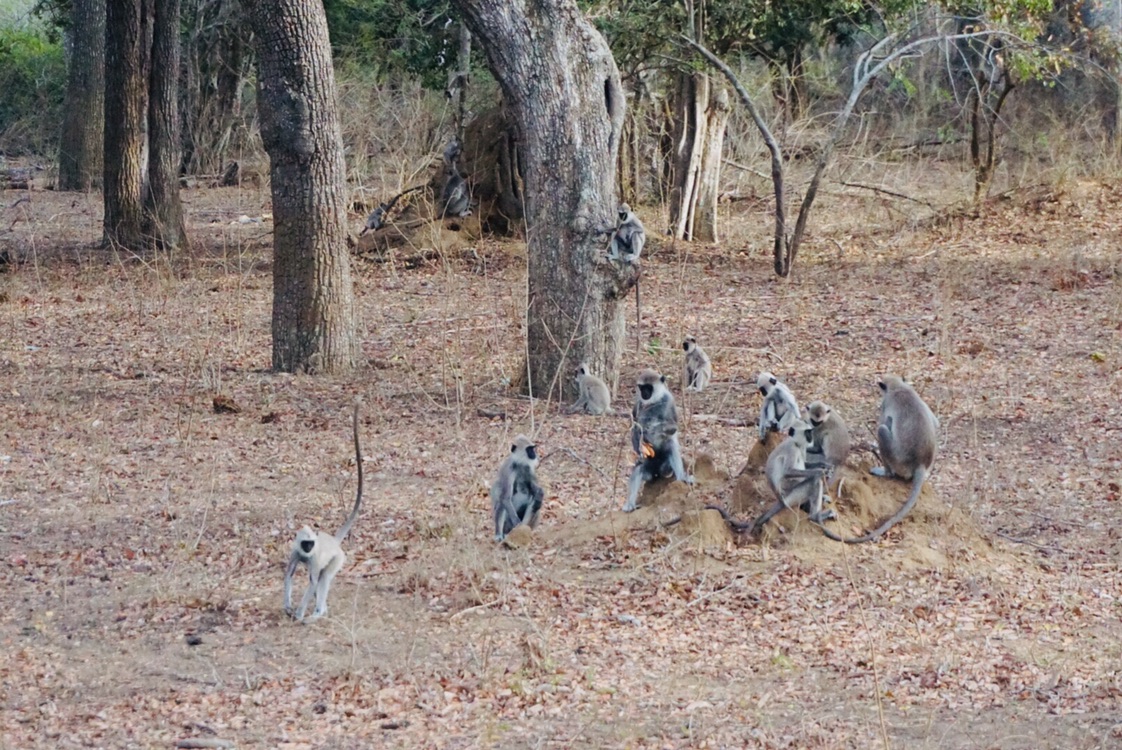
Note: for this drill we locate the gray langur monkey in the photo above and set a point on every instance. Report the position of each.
(628, 237)
(322, 553)
(794, 485)
(907, 437)
(830, 444)
(455, 199)
(779, 408)
(654, 436)
(516, 496)
(595, 397)
(698, 367)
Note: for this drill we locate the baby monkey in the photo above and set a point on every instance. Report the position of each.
(322, 553)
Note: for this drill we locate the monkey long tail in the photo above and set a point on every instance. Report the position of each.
(739, 526)
(918, 478)
(638, 320)
(358, 495)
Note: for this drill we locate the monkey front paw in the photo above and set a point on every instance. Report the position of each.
(629, 507)
(499, 537)
(880, 471)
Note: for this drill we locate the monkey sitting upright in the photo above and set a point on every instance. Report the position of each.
(516, 496)
(907, 438)
(654, 436)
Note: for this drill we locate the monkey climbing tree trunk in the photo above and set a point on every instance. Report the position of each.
(313, 300)
(562, 87)
(126, 69)
(163, 209)
(83, 126)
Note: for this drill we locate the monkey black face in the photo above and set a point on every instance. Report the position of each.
(763, 391)
(532, 452)
(790, 431)
(622, 215)
(646, 390)
(883, 385)
(306, 546)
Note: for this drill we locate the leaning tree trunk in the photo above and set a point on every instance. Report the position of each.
(164, 211)
(125, 88)
(83, 126)
(313, 300)
(562, 87)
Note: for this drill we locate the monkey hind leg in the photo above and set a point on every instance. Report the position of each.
(886, 442)
(677, 465)
(324, 588)
(639, 475)
(767, 515)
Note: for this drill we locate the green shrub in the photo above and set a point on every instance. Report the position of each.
(32, 87)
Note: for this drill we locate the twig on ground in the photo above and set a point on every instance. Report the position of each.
(485, 605)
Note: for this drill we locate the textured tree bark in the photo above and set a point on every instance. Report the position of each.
(80, 160)
(313, 303)
(700, 114)
(164, 211)
(125, 89)
(691, 97)
(562, 87)
(709, 181)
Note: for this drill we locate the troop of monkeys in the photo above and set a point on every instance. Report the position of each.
(797, 471)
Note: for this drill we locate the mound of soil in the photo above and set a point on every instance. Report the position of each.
(862, 502)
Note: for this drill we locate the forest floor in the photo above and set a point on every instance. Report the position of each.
(143, 535)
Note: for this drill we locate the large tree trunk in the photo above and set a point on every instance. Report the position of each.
(164, 219)
(125, 88)
(313, 300)
(83, 125)
(562, 87)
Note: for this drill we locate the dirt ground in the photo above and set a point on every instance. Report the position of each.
(144, 534)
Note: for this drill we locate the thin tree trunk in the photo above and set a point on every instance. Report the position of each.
(125, 85)
(690, 123)
(80, 162)
(705, 214)
(313, 300)
(562, 87)
(164, 219)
